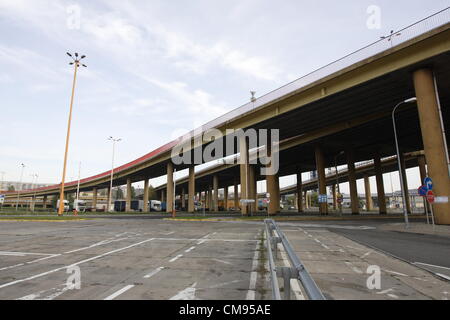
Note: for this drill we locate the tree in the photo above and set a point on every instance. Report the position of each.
(11, 188)
(133, 193)
(151, 193)
(118, 194)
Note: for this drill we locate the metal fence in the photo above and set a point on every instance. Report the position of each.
(296, 271)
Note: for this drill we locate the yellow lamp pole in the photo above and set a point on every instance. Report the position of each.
(76, 63)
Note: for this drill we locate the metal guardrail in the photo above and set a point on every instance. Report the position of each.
(296, 271)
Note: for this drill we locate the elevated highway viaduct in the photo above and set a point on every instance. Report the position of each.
(343, 107)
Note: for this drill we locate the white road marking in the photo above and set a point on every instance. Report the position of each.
(222, 261)
(384, 291)
(431, 265)
(204, 240)
(397, 273)
(96, 244)
(186, 294)
(169, 233)
(52, 296)
(295, 286)
(355, 269)
(119, 292)
(74, 264)
(392, 295)
(366, 254)
(22, 254)
(253, 275)
(190, 249)
(325, 246)
(151, 274)
(175, 258)
(223, 284)
(13, 266)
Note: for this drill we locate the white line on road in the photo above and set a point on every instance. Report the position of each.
(186, 294)
(443, 276)
(397, 273)
(190, 249)
(22, 254)
(175, 258)
(119, 292)
(151, 274)
(74, 264)
(222, 261)
(253, 275)
(96, 244)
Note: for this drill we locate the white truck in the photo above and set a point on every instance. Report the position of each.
(79, 205)
(66, 205)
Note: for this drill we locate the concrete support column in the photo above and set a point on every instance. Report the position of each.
(225, 198)
(216, 192)
(33, 203)
(380, 185)
(145, 209)
(183, 199)
(244, 172)
(210, 198)
(94, 199)
(299, 192)
(191, 189)
(369, 203)
(128, 199)
(170, 191)
(306, 200)
(44, 202)
(273, 188)
(320, 166)
(434, 142)
(334, 192)
(352, 182)
(405, 184)
(252, 188)
(236, 196)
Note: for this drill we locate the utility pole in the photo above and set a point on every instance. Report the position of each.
(20, 186)
(76, 63)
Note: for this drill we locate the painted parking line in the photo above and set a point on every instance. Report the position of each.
(431, 265)
(253, 275)
(151, 274)
(73, 264)
(119, 292)
(175, 258)
(190, 249)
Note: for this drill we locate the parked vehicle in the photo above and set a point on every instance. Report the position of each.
(79, 205)
(154, 205)
(66, 205)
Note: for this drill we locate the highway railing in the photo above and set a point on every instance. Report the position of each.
(297, 270)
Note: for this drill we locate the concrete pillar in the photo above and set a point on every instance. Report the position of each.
(306, 200)
(225, 198)
(252, 188)
(380, 185)
(128, 199)
(244, 172)
(369, 203)
(170, 192)
(33, 203)
(236, 196)
(435, 146)
(183, 199)
(334, 192)
(210, 198)
(94, 199)
(320, 167)
(405, 184)
(216, 192)
(191, 189)
(107, 199)
(352, 182)
(145, 198)
(299, 192)
(273, 188)
(44, 202)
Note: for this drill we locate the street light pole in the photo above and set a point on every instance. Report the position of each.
(112, 170)
(405, 213)
(76, 63)
(20, 186)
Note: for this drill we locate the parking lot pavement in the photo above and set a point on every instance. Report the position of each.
(131, 259)
(340, 267)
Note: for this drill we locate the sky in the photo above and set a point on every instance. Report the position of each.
(157, 69)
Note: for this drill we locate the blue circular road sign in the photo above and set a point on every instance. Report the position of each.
(428, 183)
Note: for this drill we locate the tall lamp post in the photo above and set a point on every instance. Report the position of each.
(20, 186)
(112, 170)
(76, 63)
(405, 213)
(34, 182)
